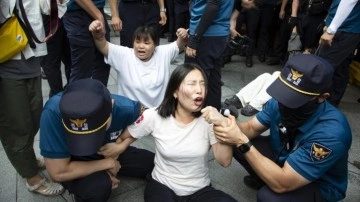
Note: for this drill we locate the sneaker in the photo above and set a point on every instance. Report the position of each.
(253, 181)
(273, 61)
(248, 110)
(234, 101)
(249, 61)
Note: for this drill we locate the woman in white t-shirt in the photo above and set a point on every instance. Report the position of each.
(183, 139)
(143, 71)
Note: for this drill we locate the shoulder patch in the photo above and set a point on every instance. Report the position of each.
(141, 117)
(319, 152)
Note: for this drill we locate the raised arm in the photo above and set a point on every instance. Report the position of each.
(182, 38)
(98, 32)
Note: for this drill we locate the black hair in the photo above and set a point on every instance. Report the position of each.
(146, 32)
(169, 103)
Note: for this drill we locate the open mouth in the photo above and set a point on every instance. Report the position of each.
(198, 101)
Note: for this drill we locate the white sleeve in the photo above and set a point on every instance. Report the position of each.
(343, 11)
(45, 7)
(144, 125)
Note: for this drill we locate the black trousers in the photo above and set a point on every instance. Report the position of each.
(58, 48)
(209, 57)
(86, 60)
(338, 54)
(155, 192)
(308, 193)
(97, 186)
(137, 13)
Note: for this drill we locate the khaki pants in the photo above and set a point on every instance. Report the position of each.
(20, 108)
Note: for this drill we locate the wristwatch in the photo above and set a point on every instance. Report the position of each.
(245, 147)
(163, 10)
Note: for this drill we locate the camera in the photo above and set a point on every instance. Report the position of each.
(240, 44)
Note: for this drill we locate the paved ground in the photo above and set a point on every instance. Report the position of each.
(235, 76)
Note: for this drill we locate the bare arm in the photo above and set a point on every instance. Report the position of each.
(98, 32)
(115, 19)
(62, 170)
(279, 179)
(282, 9)
(114, 149)
(162, 14)
(233, 21)
(182, 38)
(91, 9)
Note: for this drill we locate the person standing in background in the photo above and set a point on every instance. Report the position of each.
(86, 60)
(135, 13)
(21, 101)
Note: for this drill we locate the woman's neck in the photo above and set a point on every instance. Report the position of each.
(183, 117)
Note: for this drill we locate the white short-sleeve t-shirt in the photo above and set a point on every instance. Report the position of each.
(142, 81)
(181, 151)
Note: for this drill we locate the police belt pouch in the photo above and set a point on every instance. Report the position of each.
(12, 39)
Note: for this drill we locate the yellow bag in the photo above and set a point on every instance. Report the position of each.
(12, 39)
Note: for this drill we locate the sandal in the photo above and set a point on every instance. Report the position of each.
(51, 188)
(41, 163)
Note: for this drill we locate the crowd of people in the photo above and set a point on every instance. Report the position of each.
(86, 132)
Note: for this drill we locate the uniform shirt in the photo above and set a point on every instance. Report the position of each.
(321, 147)
(52, 133)
(181, 157)
(73, 6)
(352, 22)
(142, 81)
(220, 26)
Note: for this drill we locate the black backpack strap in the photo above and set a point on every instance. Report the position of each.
(53, 21)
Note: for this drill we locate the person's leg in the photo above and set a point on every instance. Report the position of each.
(210, 194)
(85, 58)
(152, 17)
(262, 144)
(208, 57)
(51, 63)
(308, 193)
(130, 21)
(266, 20)
(155, 191)
(262, 97)
(341, 48)
(252, 22)
(20, 103)
(136, 162)
(95, 187)
(252, 89)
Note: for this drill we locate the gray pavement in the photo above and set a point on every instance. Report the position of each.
(235, 75)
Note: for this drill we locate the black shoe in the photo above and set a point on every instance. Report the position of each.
(234, 101)
(273, 61)
(249, 61)
(248, 110)
(262, 57)
(253, 181)
(232, 109)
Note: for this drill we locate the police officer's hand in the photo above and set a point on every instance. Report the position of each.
(114, 181)
(116, 23)
(97, 29)
(326, 39)
(163, 18)
(112, 150)
(231, 133)
(116, 167)
(190, 52)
